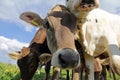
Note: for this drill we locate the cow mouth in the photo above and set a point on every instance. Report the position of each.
(82, 5)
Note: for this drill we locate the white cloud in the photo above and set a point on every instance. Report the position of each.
(11, 9)
(8, 45)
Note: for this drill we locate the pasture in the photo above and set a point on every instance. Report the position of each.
(11, 72)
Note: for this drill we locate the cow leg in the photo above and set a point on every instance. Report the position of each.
(114, 54)
(112, 74)
(89, 66)
(97, 75)
(68, 76)
(103, 73)
(56, 73)
(97, 68)
(87, 73)
(114, 78)
(82, 68)
(47, 70)
(76, 73)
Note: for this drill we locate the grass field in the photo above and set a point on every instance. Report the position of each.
(11, 72)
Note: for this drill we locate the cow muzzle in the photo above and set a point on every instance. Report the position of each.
(66, 58)
(85, 5)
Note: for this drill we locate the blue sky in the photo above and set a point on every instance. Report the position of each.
(14, 33)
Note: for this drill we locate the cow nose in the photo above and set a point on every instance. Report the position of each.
(68, 58)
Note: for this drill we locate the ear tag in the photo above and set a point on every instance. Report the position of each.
(34, 23)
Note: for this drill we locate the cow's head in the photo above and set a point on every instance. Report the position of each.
(81, 5)
(28, 61)
(59, 24)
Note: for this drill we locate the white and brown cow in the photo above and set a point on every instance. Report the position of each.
(98, 31)
(59, 24)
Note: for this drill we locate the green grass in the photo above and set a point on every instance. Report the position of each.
(8, 72)
(11, 72)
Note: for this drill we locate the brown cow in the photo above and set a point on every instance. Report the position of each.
(59, 26)
(36, 54)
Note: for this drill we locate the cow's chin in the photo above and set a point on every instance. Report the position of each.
(85, 9)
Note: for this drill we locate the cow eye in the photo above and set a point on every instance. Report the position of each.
(47, 25)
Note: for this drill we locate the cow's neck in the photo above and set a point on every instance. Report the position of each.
(81, 19)
(81, 14)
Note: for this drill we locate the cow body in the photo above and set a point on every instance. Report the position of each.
(98, 31)
(101, 34)
(101, 30)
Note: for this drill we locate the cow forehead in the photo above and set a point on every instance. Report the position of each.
(60, 8)
(62, 16)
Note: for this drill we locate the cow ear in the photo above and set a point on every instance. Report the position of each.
(44, 58)
(15, 55)
(32, 18)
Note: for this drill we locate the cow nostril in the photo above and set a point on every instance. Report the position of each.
(62, 61)
(83, 5)
(76, 61)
